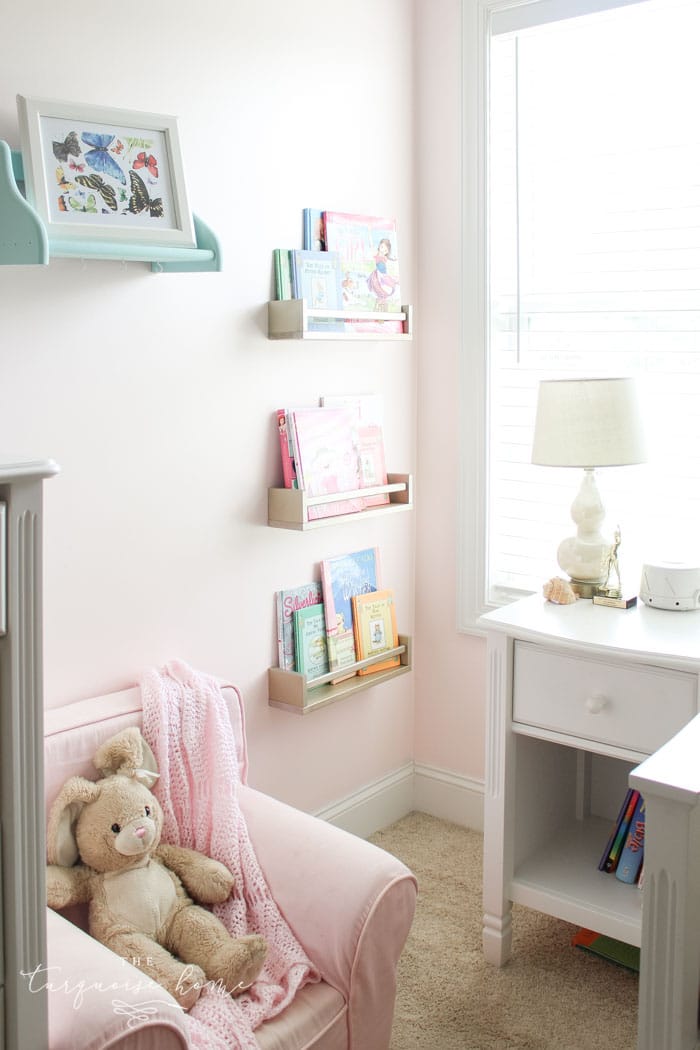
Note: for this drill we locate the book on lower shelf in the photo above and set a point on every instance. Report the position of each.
(374, 626)
(286, 603)
(609, 948)
(310, 646)
(343, 577)
(632, 856)
(369, 259)
(616, 841)
(282, 260)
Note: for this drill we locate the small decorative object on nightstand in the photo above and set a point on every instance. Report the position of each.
(611, 593)
(587, 423)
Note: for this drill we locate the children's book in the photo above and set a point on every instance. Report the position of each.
(374, 625)
(372, 465)
(287, 601)
(632, 855)
(613, 849)
(369, 407)
(283, 273)
(326, 457)
(310, 641)
(342, 577)
(316, 278)
(289, 474)
(369, 258)
(313, 230)
(609, 948)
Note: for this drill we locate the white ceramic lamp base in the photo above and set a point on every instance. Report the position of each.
(583, 556)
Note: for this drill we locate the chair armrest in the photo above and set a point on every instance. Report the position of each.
(349, 903)
(98, 1000)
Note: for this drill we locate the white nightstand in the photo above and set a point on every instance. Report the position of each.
(579, 695)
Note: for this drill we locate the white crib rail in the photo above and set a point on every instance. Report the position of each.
(669, 980)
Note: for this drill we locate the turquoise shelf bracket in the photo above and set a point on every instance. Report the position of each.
(23, 239)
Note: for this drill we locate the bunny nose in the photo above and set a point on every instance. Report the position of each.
(140, 832)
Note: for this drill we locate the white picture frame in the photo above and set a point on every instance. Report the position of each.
(99, 174)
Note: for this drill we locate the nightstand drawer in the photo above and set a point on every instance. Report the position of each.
(638, 708)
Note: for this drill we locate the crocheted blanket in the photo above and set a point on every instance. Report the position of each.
(187, 724)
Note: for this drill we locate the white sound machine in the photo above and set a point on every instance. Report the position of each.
(670, 585)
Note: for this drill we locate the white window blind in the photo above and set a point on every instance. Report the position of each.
(593, 179)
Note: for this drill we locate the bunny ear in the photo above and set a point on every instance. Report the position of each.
(61, 846)
(129, 754)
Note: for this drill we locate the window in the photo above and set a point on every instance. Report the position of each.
(591, 176)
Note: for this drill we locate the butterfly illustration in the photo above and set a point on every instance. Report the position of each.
(140, 200)
(63, 181)
(75, 166)
(69, 147)
(89, 205)
(62, 206)
(99, 158)
(96, 182)
(119, 148)
(144, 160)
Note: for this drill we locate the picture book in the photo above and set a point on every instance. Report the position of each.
(374, 625)
(316, 278)
(632, 855)
(372, 465)
(369, 259)
(282, 260)
(286, 602)
(313, 230)
(609, 948)
(342, 577)
(289, 474)
(326, 457)
(310, 641)
(369, 407)
(611, 854)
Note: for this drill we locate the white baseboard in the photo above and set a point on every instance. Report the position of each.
(414, 786)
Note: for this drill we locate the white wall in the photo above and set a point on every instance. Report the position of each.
(155, 392)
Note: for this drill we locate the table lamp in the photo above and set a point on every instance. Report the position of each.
(587, 423)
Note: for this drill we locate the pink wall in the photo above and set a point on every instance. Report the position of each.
(155, 392)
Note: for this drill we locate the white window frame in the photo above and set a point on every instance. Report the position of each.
(477, 21)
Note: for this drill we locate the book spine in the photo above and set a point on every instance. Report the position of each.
(613, 858)
(289, 474)
(613, 834)
(633, 852)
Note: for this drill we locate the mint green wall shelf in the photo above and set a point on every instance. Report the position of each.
(23, 238)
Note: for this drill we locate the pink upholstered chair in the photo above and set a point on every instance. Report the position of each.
(350, 905)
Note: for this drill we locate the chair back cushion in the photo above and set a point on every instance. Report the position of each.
(73, 733)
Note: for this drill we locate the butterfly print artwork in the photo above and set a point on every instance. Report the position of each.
(63, 181)
(96, 182)
(89, 205)
(118, 147)
(140, 200)
(99, 157)
(74, 166)
(70, 147)
(144, 160)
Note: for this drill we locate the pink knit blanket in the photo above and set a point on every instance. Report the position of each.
(186, 722)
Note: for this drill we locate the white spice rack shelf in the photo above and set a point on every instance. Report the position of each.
(289, 319)
(289, 508)
(291, 691)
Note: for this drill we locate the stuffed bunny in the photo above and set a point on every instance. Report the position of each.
(104, 848)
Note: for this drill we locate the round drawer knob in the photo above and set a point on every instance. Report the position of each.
(596, 703)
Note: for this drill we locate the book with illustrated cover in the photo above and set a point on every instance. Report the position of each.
(287, 601)
(326, 457)
(369, 407)
(369, 259)
(342, 577)
(372, 465)
(310, 641)
(289, 474)
(611, 854)
(632, 855)
(283, 273)
(609, 948)
(374, 625)
(316, 278)
(313, 230)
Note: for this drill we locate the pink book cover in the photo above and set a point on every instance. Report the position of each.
(369, 254)
(289, 474)
(372, 465)
(327, 458)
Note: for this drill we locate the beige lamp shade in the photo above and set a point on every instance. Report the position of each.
(588, 423)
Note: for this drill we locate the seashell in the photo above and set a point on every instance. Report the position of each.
(559, 591)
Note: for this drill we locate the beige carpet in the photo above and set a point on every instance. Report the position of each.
(550, 996)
